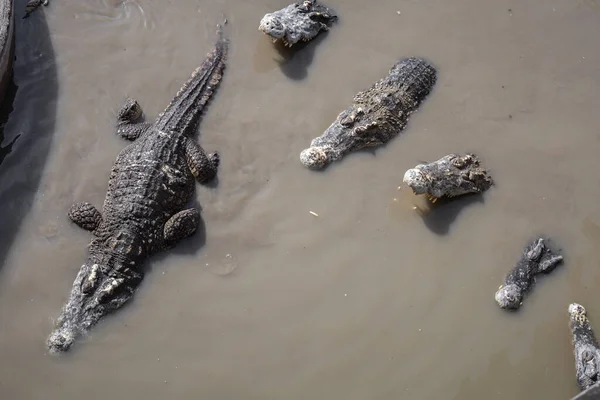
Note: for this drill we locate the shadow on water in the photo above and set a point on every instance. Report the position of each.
(442, 214)
(6, 108)
(296, 60)
(30, 122)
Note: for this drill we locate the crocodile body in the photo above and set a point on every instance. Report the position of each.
(537, 258)
(150, 185)
(450, 176)
(377, 115)
(298, 22)
(585, 347)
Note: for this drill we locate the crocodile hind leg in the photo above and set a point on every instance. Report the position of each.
(181, 225)
(85, 215)
(127, 126)
(204, 167)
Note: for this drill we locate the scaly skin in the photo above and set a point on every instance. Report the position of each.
(585, 347)
(377, 115)
(450, 176)
(537, 258)
(298, 22)
(151, 182)
(33, 5)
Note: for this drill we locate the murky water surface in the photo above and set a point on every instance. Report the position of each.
(366, 301)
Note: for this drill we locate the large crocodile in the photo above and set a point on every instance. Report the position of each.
(144, 211)
(537, 258)
(450, 176)
(585, 347)
(377, 115)
(297, 22)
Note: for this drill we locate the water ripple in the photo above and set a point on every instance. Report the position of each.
(118, 11)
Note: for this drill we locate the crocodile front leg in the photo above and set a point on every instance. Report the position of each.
(181, 225)
(85, 215)
(204, 167)
(127, 127)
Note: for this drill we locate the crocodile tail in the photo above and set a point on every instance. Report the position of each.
(184, 111)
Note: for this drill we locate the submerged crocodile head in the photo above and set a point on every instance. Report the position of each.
(376, 115)
(537, 258)
(297, 22)
(352, 130)
(450, 176)
(586, 350)
(105, 282)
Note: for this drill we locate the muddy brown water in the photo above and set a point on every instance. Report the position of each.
(366, 301)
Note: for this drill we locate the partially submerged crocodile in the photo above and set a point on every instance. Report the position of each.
(33, 5)
(297, 22)
(537, 258)
(377, 115)
(450, 176)
(145, 211)
(585, 347)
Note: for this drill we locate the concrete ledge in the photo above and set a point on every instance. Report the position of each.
(591, 393)
(7, 44)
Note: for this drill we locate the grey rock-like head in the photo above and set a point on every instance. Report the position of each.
(104, 284)
(417, 181)
(272, 25)
(509, 296)
(314, 157)
(351, 131)
(298, 22)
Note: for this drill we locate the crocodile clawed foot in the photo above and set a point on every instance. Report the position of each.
(550, 263)
(181, 225)
(215, 159)
(535, 251)
(431, 198)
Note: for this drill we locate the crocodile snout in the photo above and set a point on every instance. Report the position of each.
(417, 182)
(61, 340)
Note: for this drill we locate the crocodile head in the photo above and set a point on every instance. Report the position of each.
(352, 130)
(451, 176)
(105, 282)
(298, 22)
(587, 352)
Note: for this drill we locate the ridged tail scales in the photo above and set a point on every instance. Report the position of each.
(184, 111)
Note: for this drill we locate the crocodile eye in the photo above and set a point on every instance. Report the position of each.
(349, 118)
(366, 128)
(346, 122)
(346, 119)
